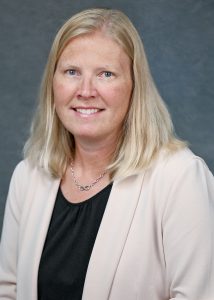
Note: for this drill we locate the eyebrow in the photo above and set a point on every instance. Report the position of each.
(70, 65)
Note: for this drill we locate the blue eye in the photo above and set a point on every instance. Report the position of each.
(72, 72)
(108, 74)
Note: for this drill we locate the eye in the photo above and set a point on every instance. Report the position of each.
(71, 72)
(107, 74)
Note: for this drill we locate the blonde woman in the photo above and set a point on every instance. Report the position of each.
(108, 203)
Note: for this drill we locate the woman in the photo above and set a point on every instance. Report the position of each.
(107, 203)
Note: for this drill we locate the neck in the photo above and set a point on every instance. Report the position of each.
(93, 158)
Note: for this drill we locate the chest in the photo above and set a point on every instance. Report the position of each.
(127, 256)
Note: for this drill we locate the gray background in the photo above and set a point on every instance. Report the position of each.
(179, 40)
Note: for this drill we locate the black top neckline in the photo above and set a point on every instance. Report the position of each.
(84, 202)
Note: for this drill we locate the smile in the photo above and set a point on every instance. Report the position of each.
(87, 111)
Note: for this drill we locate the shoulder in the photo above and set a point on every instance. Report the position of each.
(171, 167)
(182, 181)
(181, 176)
(25, 171)
(26, 183)
(175, 165)
(27, 178)
(22, 170)
(179, 158)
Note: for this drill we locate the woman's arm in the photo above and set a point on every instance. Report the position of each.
(9, 238)
(188, 234)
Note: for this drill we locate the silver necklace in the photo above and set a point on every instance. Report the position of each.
(84, 188)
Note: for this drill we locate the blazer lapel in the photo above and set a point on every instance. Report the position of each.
(41, 201)
(111, 237)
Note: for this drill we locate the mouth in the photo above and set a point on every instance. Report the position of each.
(87, 111)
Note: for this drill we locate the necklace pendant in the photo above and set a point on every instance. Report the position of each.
(84, 188)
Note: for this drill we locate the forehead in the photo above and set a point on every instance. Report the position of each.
(97, 44)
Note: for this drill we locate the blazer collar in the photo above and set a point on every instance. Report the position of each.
(111, 237)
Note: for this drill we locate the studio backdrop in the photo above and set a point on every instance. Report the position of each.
(179, 41)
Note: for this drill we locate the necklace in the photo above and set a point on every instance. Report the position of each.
(84, 188)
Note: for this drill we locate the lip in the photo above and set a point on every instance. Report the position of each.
(86, 111)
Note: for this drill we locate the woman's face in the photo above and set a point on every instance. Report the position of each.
(92, 87)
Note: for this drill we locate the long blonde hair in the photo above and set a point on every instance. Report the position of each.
(147, 127)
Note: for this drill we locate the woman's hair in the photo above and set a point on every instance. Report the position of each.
(147, 127)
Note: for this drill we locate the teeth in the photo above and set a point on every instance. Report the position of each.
(86, 111)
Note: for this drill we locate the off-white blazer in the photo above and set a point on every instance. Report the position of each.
(155, 242)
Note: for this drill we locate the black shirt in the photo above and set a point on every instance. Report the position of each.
(68, 246)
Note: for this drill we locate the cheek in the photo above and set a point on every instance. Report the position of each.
(124, 99)
(61, 93)
(119, 100)
(121, 96)
(57, 90)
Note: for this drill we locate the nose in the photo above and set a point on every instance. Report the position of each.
(86, 88)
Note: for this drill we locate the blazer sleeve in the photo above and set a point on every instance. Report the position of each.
(188, 233)
(9, 238)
